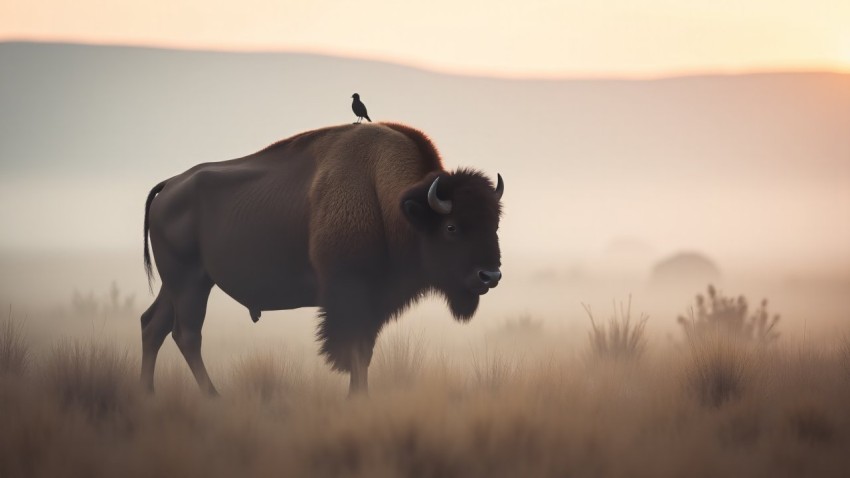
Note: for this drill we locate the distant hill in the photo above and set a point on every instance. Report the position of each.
(746, 168)
(80, 109)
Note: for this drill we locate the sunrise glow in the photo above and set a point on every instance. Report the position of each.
(541, 38)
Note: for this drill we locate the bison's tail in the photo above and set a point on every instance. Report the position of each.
(148, 267)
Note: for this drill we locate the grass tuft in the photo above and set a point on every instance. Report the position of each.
(492, 370)
(810, 424)
(266, 375)
(14, 348)
(620, 338)
(718, 369)
(844, 354)
(399, 357)
(96, 379)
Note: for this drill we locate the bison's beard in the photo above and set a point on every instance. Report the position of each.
(462, 304)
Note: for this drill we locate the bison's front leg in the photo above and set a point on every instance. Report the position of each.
(348, 329)
(359, 376)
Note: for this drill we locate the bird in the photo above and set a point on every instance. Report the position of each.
(359, 109)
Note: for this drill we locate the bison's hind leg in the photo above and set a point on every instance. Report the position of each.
(157, 322)
(190, 307)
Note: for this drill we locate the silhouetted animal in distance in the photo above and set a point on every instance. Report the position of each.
(359, 109)
(360, 221)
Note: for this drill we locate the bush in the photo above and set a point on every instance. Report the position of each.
(729, 316)
(620, 339)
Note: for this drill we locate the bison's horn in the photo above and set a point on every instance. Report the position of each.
(500, 187)
(437, 204)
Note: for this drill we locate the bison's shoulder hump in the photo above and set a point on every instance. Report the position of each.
(423, 144)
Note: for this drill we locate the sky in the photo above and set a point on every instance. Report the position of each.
(542, 38)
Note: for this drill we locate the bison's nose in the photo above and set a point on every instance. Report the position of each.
(490, 278)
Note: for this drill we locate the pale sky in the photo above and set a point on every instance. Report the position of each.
(494, 37)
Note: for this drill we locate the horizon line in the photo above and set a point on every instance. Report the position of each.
(475, 73)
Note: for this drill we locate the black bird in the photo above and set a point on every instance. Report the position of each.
(359, 109)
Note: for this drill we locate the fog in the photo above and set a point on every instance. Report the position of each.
(604, 178)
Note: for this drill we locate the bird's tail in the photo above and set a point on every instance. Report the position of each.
(368, 118)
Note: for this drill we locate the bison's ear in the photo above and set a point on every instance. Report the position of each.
(418, 214)
(417, 211)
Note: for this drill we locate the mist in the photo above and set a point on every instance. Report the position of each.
(669, 206)
(605, 178)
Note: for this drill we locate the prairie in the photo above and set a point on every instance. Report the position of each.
(525, 399)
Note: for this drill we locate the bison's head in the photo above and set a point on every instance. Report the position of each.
(457, 218)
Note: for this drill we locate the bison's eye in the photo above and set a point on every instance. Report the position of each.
(451, 228)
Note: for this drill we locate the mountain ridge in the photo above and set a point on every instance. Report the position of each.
(530, 78)
(79, 109)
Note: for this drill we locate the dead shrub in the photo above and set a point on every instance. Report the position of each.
(730, 316)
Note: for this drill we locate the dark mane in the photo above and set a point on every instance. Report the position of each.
(423, 144)
(478, 188)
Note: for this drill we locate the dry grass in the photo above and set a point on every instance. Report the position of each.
(620, 338)
(267, 375)
(720, 369)
(493, 369)
(844, 354)
(399, 358)
(95, 378)
(14, 349)
(717, 408)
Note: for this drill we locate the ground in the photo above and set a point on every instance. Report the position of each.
(720, 407)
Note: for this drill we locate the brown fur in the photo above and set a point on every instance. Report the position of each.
(336, 218)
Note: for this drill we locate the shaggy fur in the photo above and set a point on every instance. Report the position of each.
(337, 218)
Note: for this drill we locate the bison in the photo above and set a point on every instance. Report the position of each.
(359, 220)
